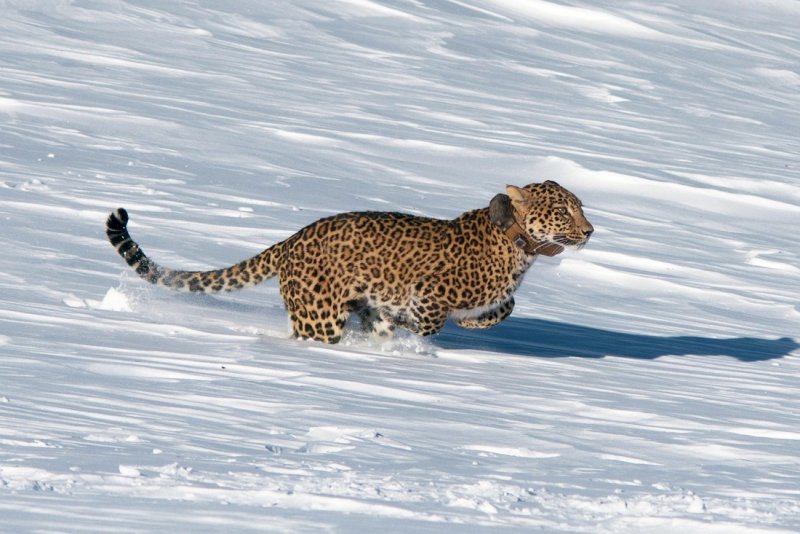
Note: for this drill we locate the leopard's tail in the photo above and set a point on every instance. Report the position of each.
(245, 274)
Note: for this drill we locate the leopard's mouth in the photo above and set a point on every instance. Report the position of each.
(566, 241)
(563, 239)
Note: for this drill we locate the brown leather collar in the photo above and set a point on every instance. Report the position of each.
(521, 239)
(501, 213)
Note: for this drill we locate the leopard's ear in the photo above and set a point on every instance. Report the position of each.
(501, 212)
(518, 194)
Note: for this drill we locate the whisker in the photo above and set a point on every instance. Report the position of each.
(562, 239)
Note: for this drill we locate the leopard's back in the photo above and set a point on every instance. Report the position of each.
(384, 249)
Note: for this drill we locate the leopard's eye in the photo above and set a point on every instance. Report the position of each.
(562, 211)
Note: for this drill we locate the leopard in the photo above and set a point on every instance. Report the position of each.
(394, 270)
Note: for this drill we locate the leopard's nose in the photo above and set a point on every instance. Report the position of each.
(588, 231)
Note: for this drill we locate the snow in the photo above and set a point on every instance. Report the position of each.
(647, 383)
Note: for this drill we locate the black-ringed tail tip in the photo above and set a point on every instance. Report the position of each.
(117, 232)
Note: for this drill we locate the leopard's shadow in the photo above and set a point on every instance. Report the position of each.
(551, 339)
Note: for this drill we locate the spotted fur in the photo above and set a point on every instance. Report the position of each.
(393, 270)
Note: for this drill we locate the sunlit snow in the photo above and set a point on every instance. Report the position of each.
(647, 383)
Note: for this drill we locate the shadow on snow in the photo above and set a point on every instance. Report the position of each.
(550, 339)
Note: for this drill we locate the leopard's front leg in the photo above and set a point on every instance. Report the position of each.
(488, 318)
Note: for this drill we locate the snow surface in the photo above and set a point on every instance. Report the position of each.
(649, 383)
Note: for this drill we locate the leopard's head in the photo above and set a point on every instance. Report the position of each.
(550, 214)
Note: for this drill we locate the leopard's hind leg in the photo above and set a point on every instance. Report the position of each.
(315, 310)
